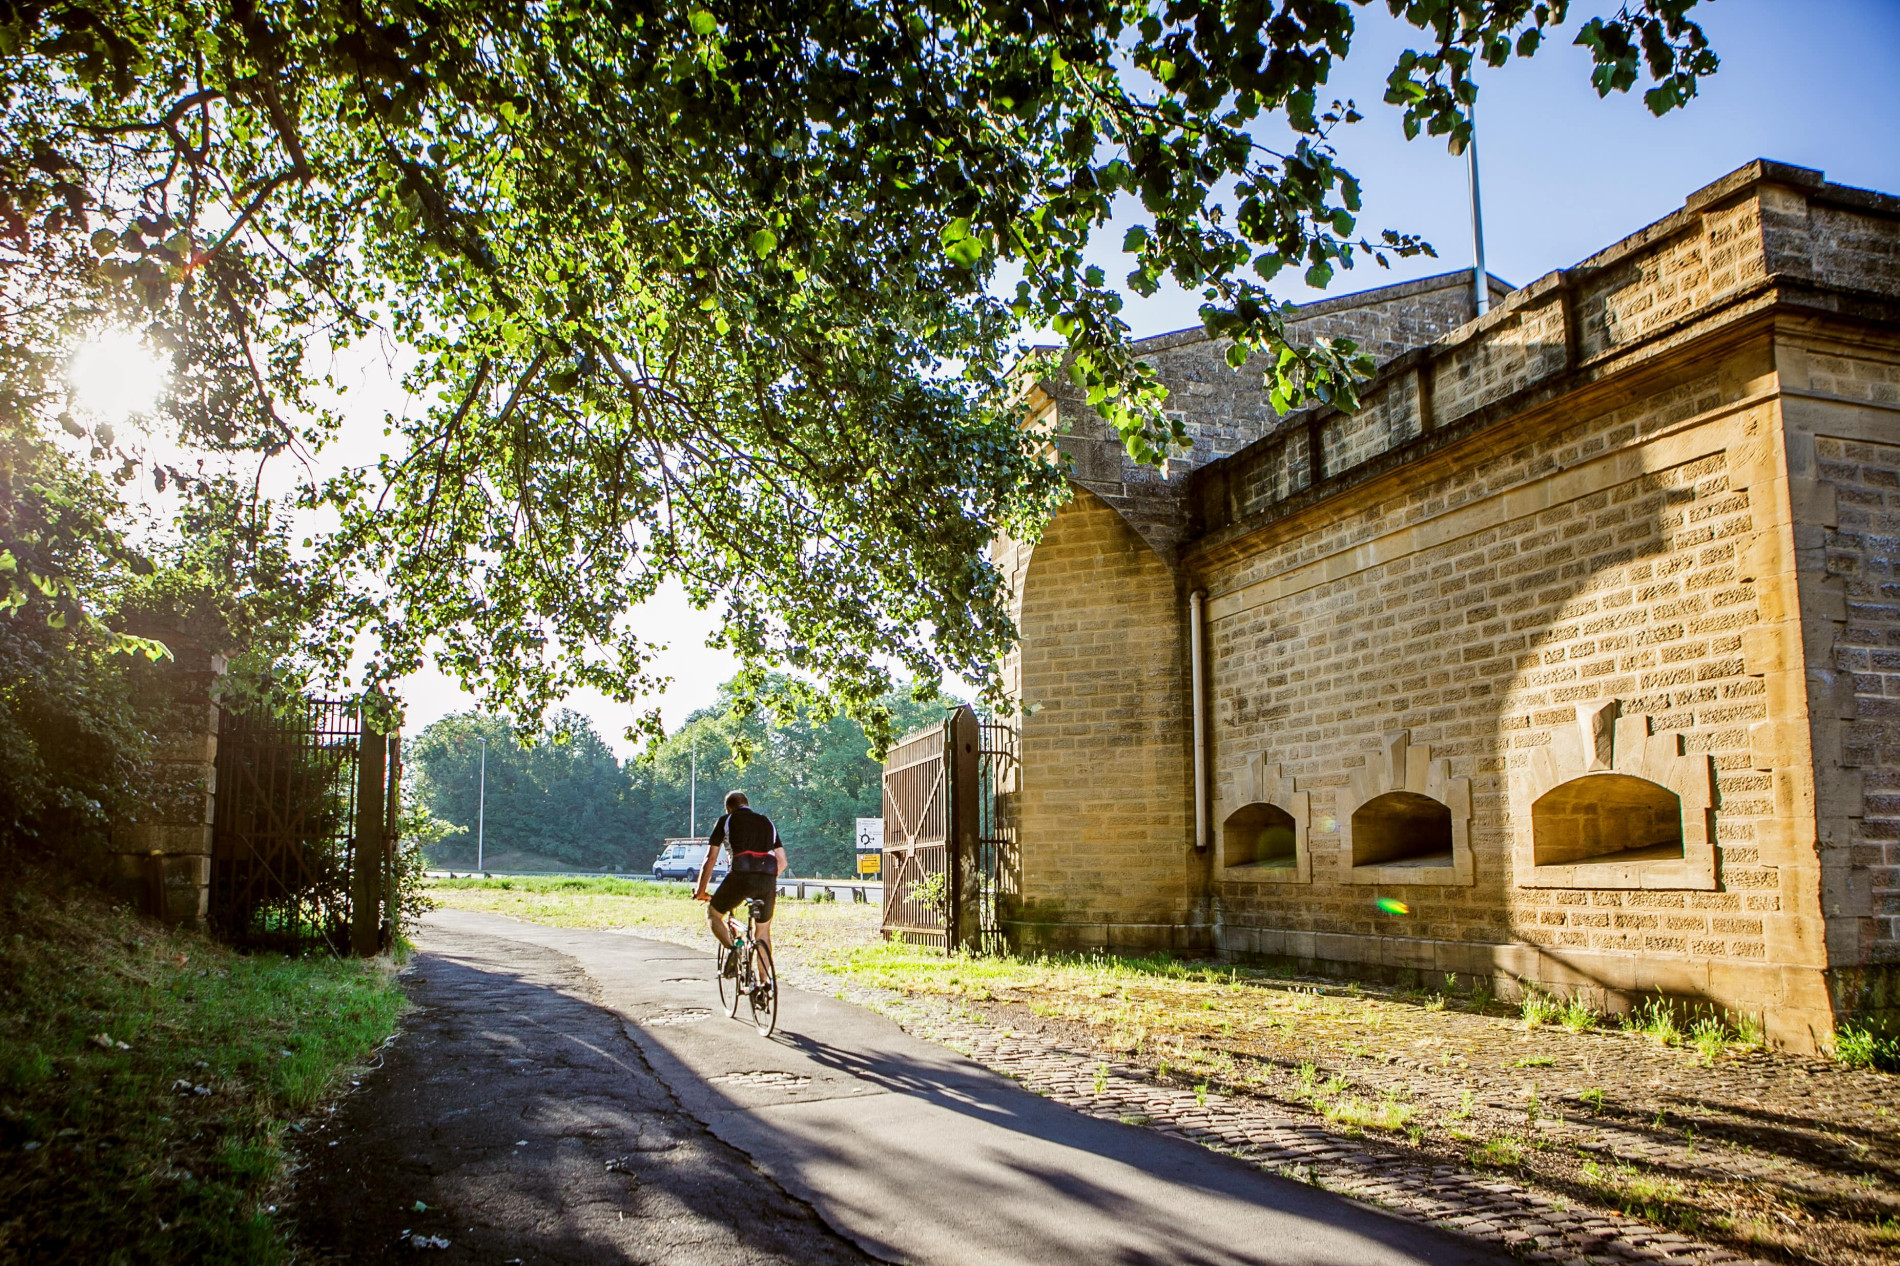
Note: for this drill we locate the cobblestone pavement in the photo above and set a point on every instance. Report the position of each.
(1487, 1207)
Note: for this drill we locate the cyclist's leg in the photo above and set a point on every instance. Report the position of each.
(725, 899)
(765, 890)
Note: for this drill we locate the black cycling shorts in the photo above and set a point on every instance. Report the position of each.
(743, 885)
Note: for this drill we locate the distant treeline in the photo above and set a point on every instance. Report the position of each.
(565, 800)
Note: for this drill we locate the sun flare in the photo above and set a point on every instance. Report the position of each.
(116, 376)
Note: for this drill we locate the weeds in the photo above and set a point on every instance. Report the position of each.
(1862, 1048)
(1533, 1061)
(1709, 1036)
(1656, 1020)
(1502, 1152)
(1200, 1094)
(1593, 1099)
(1578, 1015)
(1641, 1194)
(1538, 1008)
(1388, 1114)
(1466, 1103)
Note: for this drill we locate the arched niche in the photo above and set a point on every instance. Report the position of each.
(1263, 839)
(1606, 818)
(1401, 828)
(1259, 835)
(1403, 819)
(1604, 803)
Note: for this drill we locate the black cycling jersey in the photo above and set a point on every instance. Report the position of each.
(752, 838)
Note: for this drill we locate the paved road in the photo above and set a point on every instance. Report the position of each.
(907, 1151)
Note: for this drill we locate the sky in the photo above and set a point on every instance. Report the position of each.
(1563, 175)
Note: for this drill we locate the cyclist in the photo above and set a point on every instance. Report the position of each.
(757, 860)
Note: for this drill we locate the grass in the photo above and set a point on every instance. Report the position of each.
(148, 1076)
(1502, 1152)
(1387, 1114)
(663, 911)
(1641, 1194)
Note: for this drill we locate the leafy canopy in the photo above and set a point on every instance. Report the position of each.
(720, 292)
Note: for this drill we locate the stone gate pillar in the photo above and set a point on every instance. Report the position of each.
(161, 852)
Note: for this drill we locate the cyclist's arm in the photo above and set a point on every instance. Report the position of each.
(778, 851)
(714, 843)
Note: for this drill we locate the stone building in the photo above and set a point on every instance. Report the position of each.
(1571, 658)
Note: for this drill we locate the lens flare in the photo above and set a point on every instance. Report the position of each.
(116, 376)
(1390, 906)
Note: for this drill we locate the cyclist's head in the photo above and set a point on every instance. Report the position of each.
(734, 800)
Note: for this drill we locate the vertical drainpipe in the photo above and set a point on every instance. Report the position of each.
(1196, 654)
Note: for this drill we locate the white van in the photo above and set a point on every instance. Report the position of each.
(682, 858)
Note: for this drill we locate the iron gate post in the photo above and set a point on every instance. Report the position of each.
(366, 858)
(964, 930)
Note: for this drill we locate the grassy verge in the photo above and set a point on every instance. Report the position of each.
(664, 912)
(148, 1076)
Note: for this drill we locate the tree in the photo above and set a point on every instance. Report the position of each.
(566, 800)
(686, 282)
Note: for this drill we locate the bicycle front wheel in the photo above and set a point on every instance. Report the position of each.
(731, 988)
(763, 990)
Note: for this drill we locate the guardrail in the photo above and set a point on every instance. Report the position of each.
(861, 890)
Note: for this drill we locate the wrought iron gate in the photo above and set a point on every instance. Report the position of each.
(284, 829)
(997, 869)
(949, 833)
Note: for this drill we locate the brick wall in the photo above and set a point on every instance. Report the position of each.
(1105, 767)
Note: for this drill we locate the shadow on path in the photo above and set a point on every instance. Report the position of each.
(514, 1107)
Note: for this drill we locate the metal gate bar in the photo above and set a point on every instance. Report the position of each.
(949, 810)
(284, 826)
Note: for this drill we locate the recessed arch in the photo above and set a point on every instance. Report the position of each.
(1402, 828)
(1260, 835)
(1606, 817)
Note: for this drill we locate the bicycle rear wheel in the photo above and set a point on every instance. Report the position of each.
(731, 988)
(764, 990)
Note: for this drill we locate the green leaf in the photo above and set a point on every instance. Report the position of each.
(764, 242)
(703, 22)
(965, 252)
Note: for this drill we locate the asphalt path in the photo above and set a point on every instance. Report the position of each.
(903, 1150)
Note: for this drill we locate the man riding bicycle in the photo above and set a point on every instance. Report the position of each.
(757, 860)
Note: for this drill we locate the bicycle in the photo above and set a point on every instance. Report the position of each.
(755, 981)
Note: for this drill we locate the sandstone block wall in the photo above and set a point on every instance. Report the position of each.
(1637, 524)
(1101, 674)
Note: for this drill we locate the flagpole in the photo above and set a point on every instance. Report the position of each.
(1480, 284)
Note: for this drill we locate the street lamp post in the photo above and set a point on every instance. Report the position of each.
(481, 806)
